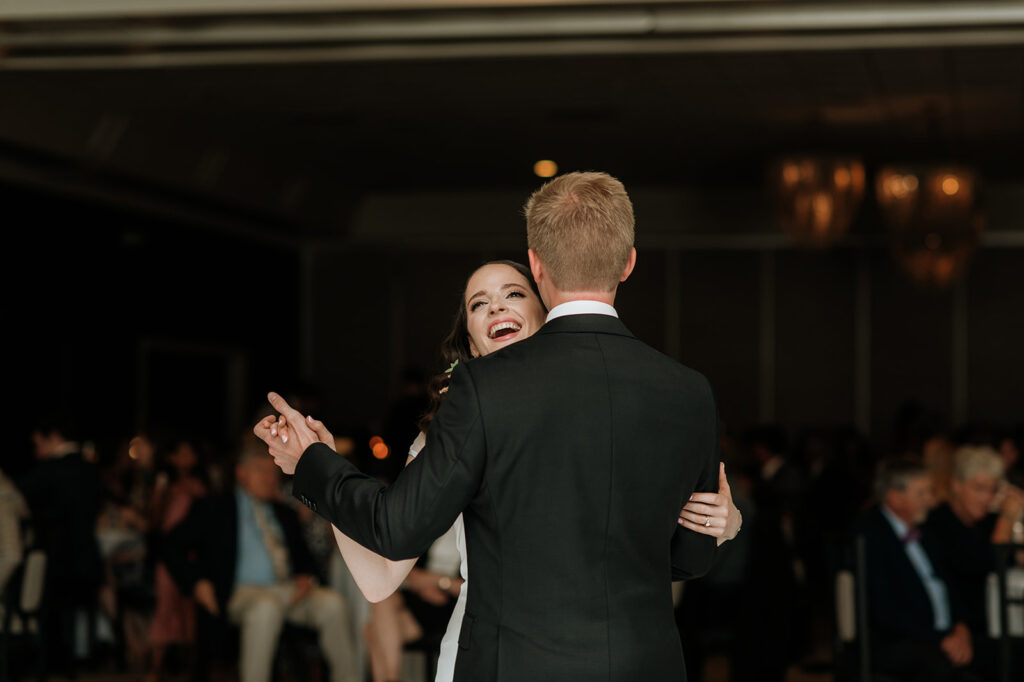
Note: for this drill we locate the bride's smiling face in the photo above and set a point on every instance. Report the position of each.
(501, 308)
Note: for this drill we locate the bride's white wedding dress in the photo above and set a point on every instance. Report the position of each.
(450, 642)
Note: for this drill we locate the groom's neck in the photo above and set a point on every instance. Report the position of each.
(559, 297)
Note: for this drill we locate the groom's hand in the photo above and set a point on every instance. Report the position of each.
(288, 441)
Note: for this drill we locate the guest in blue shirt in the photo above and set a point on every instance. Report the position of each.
(242, 556)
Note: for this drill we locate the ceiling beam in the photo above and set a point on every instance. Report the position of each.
(78, 9)
(535, 29)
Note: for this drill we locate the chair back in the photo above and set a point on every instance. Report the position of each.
(852, 641)
(846, 607)
(1004, 602)
(33, 579)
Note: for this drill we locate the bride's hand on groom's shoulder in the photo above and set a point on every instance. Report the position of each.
(713, 514)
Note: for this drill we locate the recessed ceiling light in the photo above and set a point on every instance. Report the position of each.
(545, 168)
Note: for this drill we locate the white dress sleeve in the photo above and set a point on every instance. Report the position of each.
(418, 444)
(446, 561)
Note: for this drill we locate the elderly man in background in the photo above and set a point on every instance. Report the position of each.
(251, 563)
(915, 619)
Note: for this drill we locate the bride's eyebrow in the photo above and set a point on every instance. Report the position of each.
(509, 285)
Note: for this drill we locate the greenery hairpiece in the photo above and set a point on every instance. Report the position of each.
(448, 372)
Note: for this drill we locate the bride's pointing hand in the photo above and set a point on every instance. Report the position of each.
(287, 438)
(713, 514)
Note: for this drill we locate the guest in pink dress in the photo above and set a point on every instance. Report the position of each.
(174, 618)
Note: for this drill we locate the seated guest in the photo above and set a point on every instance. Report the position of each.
(173, 494)
(966, 527)
(915, 629)
(124, 533)
(251, 564)
(13, 513)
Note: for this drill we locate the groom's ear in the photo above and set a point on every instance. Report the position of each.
(536, 267)
(630, 264)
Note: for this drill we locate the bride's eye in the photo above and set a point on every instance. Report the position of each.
(474, 305)
(520, 294)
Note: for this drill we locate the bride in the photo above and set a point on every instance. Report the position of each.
(500, 306)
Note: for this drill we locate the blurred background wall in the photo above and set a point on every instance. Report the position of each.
(207, 200)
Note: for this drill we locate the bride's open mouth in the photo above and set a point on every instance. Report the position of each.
(503, 330)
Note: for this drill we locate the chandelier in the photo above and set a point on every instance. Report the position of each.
(935, 219)
(816, 199)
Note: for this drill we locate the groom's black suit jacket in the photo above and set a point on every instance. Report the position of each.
(570, 454)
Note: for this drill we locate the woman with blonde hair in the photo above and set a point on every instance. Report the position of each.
(981, 512)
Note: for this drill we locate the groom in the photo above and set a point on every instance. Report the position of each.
(569, 453)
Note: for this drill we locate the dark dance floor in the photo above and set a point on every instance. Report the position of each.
(717, 671)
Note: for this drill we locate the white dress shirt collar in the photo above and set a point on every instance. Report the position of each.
(899, 527)
(581, 308)
(933, 584)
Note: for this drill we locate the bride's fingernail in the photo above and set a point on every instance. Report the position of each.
(284, 438)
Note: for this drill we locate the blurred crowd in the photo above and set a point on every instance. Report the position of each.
(930, 514)
(169, 559)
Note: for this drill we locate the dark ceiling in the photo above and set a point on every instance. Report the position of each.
(274, 137)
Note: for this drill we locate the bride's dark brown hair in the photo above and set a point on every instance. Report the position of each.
(455, 347)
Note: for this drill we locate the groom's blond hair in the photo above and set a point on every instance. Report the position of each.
(581, 227)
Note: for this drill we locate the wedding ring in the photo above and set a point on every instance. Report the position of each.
(707, 522)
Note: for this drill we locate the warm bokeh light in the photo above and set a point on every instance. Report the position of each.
(821, 207)
(380, 450)
(950, 185)
(374, 441)
(900, 186)
(545, 168)
(790, 174)
(935, 219)
(816, 198)
(344, 445)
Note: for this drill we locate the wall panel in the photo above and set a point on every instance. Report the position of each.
(911, 347)
(814, 337)
(995, 346)
(719, 323)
